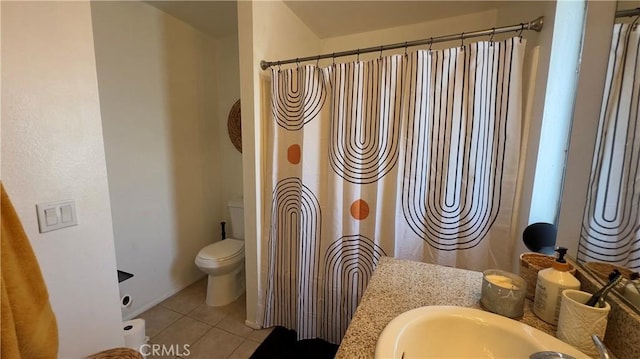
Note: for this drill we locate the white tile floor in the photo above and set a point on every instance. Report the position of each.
(211, 333)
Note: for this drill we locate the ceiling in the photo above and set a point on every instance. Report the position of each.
(325, 18)
(216, 18)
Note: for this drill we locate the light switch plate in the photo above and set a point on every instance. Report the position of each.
(56, 215)
(50, 216)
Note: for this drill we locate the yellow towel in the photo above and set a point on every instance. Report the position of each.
(28, 324)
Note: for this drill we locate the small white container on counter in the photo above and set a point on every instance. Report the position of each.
(549, 287)
(578, 322)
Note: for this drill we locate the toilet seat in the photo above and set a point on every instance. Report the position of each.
(223, 251)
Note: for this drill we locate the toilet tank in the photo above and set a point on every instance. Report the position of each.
(236, 210)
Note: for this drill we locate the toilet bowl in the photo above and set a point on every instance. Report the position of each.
(223, 262)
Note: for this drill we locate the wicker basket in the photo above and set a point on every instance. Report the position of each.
(602, 270)
(531, 264)
(234, 125)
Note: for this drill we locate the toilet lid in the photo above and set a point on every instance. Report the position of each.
(222, 250)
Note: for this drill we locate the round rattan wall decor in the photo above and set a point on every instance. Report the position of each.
(234, 125)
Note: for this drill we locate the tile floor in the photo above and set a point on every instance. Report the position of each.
(211, 333)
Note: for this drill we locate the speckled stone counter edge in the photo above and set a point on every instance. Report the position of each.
(401, 285)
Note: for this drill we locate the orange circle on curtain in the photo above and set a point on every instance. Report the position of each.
(293, 154)
(360, 209)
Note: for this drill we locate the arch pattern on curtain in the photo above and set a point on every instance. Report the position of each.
(300, 98)
(457, 130)
(362, 150)
(413, 156)
(294, 257)
(611, 221)
(349, 262)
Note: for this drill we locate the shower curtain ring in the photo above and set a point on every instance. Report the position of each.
(430, 43)
(521, 30)
(333, 59)
(318, 61)
(405, 48)
(381, 47)
(493, 32)
(462, 41)
(358, 55)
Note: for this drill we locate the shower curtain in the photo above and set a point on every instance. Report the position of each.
(413, 156)
(611, 222)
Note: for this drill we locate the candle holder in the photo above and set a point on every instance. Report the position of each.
(503, 293)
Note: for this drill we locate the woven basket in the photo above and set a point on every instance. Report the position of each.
(234, 125)
(602, 270)
(531, 264)
(117, 353)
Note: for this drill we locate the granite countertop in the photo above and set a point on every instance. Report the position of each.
(401, 285)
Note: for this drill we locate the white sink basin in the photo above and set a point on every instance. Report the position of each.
(458, 332)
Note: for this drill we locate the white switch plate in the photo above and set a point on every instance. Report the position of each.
(56, 215)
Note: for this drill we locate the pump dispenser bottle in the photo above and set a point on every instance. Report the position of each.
(549, 287)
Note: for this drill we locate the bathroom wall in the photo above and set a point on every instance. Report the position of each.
(453, 25)
(595, 55)
(52, 149)
(227, 75)
(0, 92)
(165, 90)
(266, 30)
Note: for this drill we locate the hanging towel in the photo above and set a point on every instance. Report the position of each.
(29, 328)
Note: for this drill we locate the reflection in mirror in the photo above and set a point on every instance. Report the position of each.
(610, 236)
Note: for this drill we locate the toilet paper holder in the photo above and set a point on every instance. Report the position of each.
(125, 301)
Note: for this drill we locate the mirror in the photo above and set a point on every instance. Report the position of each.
(610, 234)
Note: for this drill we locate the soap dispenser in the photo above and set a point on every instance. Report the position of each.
(549, 287)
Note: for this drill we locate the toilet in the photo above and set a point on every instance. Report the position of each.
(223, 261)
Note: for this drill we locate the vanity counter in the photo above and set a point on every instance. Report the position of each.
(401, 285)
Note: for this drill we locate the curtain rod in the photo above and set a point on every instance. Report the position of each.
(535, 25)
(628, 13)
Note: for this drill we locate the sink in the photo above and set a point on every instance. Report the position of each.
(459, 332)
